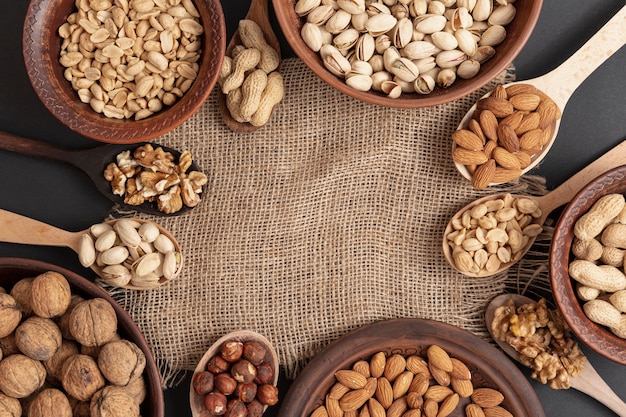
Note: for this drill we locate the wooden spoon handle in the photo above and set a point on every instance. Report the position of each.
(15, 228)
(592, 384)
(30, 147)
(561, 82)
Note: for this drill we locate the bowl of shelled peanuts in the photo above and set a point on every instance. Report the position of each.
(587, 264)
(123, 71)
(408, 54)
(67, 348)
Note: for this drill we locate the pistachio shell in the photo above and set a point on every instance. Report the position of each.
(338, 22)
(145, 281)
(304, 7)
(377, 63)
(466, 41)
(358, 21)
(97, 229)
(419, 49)
(468, 69)
(116, 275)
(359, 82)
(383, 42)
(461, 18)
(402, 33)
(444, 40)
(352, 6)
(127, 232)
(378, 78)
(86, 250)
(425, 64)
(361, 68)
(346, 39)
(482, 10)
(378, 24)
(320, 15)
(365, 47)
(483, 53)
(391, 88)
(312, 36)
(502, 15)
(424, 84)
(147, 264)
(430, 23)
(390, 56)
(493, 36)
(467, 4)
(377, 8)
(446, 77)
(448, 59)
(334, 61)
(105, 241)
(115, 255)
(163, 244)
(148, 232)
(418, 7)
(405, 70)
(172, 264)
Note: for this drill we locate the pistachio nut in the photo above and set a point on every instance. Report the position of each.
(467, 4)
(334, 61)
(312, 36)
(477, 29)
(380, 23)
(97, 229)
(424, 84)
(482, 10)
(338, 22)
(449, 59)
(116, 275)
(382, 42)
(320, 15)
(378, 78)
(390, 56)
(461, 18)
(146, 264)
(377, 8)
(150, 280)
(493, 36)
(359, 82)
(406, 86)
(466, 41)
(358, 21)
(86, 250)
(172, 264)
(127, 232)
(352, 6)
(304, 7)
(436, 7)
(391, 88)
(346, 39)
(483, 53)
(502, 15)
(360, 68)
(446, 77)
(163, 244)
(418, 7)
(115, 255)
(148, 232)
(425, 64)
(365, 47)
(105, 241)
(468, 69)
(419, 49)
(400, 11)
(402, 33)
(444, 40)
(430, 23)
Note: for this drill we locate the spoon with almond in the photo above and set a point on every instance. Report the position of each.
(487, 152)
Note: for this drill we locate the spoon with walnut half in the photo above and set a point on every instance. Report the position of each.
(589, 381)
(92, 162)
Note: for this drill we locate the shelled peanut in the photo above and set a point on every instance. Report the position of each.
(598, 268)
(250, 78)
(507, 131)
(432, 384)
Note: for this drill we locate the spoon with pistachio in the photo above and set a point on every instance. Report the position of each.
(95, 161)
(127, 253)
(474, 245)
(268, 61)
(531, 110)
(588, 381)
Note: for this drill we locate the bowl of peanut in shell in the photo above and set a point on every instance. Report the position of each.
(123, 71)
(408, 54)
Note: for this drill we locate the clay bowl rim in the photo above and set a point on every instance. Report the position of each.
(41, 45)
(409, 336)
(290, 24)
(593, 335)
(14, 269)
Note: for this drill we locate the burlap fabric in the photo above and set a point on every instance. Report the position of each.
(328, 218)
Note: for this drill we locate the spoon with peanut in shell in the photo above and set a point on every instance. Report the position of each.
(132, 246)
(588, 381)
(248, 35)
(558, 85)
(456, 248)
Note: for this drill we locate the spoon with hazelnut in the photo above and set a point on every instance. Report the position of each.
(588, 381)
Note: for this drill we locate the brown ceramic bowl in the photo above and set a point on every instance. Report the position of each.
(518, 32)
(14, 269)
(488, 365)
(598, 338)
(41, 47)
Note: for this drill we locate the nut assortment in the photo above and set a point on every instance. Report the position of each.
(130, 252)
(250, 78)
(493, 233)
(598, 268)
(508, 129)
(129, 59)
(49, 371)
(404, 47)
(237, 381)
(431, 385)
(541, 338)
(151, 174)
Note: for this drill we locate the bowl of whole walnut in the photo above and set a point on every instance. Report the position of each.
(68, 349)
(407, 54)
(587, 265)
(123, 71)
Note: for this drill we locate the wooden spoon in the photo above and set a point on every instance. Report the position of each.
(589, 381)
(258, 13)
(92, 162)
(560, 83)
(15, 228)
(547, 203)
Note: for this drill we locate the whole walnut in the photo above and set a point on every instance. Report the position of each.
(50, 294)
(38, 338)
(10, 314)
(21, 293)
(112, 401)
(81, 377)
(54, 365)
(20, 375)
(93, 322)
(10, 407)
(121, 361)
(94, 351)
(136, 389)
(64, 320)
(50, 402)
(8, 346)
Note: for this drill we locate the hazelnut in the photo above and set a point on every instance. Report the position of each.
(203, 382)
(267, 394)
(254, 352)
(215, 403)
(236, 408)
(217, 365)
(225, 383)
(255, 409)
(243, 371)
(232, 350)
(264, 374)
(246, 392)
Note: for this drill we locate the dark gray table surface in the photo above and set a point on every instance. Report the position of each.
(593, 122)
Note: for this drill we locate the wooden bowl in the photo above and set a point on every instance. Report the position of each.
(14, 269)
(518, 32)
(488, 365)
(41, 45)
(197, 401)
(597, 337)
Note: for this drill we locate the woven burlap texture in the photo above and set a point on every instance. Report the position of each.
(326, 219)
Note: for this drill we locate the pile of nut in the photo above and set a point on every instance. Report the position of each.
(598, 268)
(150, 175)
(508, 129)
(540, 336)
(249, 77)
(405, 46)
(61, 355)
(237, 381)
(493, 233)
(409, 386)
(129, 59)
(129, 252)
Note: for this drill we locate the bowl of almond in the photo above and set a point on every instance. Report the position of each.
(123, 71)
(410, 367)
